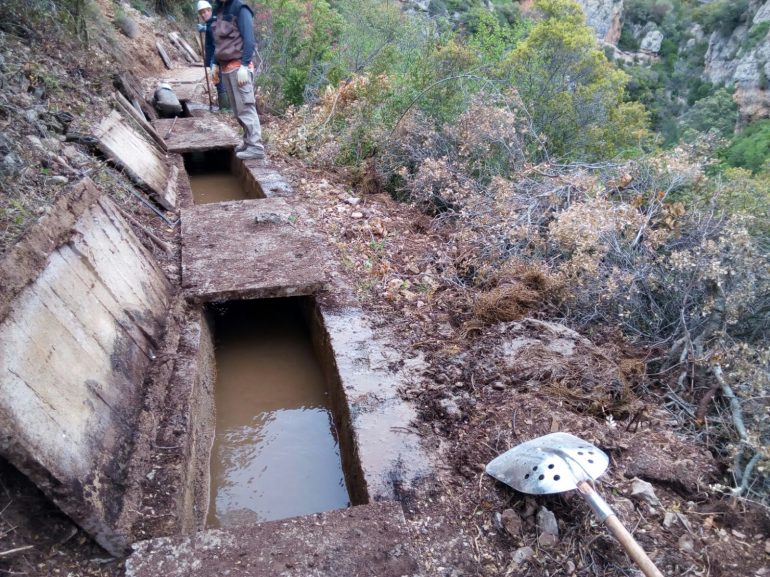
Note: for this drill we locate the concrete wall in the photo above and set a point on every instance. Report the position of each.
(179, 429)
(80, 327)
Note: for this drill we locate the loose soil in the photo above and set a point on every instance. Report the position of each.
(487, 385)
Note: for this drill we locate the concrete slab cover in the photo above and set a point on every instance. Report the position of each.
(188, 83)
(142, 159)
(366, 541)
(192, 134)
(74, 347)
(249, 249)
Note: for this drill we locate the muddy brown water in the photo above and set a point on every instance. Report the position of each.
(216, 187)
(275, 451)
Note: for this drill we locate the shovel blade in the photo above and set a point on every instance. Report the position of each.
(550, 464)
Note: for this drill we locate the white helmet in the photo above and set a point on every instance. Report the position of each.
(202, 5)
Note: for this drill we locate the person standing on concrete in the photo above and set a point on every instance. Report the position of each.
(205, 13)
(234, 45)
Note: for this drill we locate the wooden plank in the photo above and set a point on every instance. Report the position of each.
(190, 50)
(183, 47)
(163, 54)
(129, 109)
(126, 83)
(142, 160)
(175, 43)
(197, 134)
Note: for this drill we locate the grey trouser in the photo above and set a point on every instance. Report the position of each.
(244, 107)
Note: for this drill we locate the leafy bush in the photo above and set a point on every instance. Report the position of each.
(568, 85)
(644, 11)
(716, 112)
(627, 40)
(721, 15)
(757, 34)
(750, 149)
(295, 40)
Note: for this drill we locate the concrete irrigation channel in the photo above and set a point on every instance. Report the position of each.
(234, 423)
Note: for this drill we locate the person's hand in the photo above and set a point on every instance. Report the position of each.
(201, 27)
(243, 76)
(215, 74)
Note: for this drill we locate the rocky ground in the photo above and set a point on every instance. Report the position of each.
(487, 385)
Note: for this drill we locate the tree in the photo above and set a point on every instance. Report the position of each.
(569, 87)
(715, 112)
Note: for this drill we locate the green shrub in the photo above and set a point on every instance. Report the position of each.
(750, 149)
(757, 34)
(295, 40)
(627, 41)
(569, 88)
(715, 112)
(644, 11)
(721, 15)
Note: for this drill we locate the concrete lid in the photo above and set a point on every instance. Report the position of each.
(369, 540)
(249, 249)
(196, 134)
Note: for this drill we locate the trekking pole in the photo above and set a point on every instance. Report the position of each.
(206, 69)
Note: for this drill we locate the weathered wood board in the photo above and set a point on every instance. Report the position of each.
(192, 134)
(74, 347)
(144, 162)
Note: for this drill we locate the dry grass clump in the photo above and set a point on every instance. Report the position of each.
(521, 288)
(555, 359)
(505, 303)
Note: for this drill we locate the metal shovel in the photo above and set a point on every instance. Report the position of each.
(561, 462)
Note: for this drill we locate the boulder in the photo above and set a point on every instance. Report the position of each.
(652, 41)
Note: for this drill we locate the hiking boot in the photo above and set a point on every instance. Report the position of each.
(224, 102)
(251, 153)
(241, 147)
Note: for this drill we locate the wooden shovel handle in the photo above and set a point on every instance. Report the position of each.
(633, 548)
(603, 511)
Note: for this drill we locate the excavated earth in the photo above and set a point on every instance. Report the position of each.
(478, 390)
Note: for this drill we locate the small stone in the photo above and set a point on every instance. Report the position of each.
(512, 523)
(357, 214)
(643, 490)
(668, 519)
(498, 386)
(11, 163)
(31, 115)
(522, 554)
(352, 201)
(547, 523)
(767, 546)
(58, 179)
(450, 408)
(53, 144)
(127, 26)
(35, 141)
(547, 540)
(686, 544)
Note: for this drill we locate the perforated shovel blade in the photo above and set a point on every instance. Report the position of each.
(550, 464)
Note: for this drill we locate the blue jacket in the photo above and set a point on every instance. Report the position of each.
(208, 59)
(245, 18)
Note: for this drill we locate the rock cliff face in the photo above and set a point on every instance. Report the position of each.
(605, 17)
(742, 59)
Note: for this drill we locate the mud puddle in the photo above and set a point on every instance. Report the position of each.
(211, 177)
(275, 452)
(216, 187)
